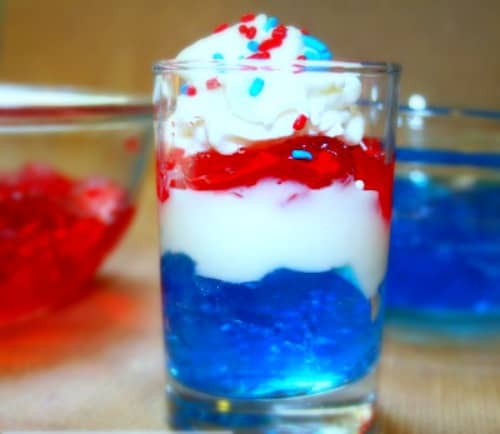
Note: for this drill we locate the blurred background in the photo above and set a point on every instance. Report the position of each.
(448, 48)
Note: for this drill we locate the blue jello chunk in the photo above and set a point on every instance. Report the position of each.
(290, 333)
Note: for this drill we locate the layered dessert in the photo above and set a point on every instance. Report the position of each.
(274, 215)
(54, 232)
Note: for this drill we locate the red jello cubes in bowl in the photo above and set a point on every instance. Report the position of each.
(71, 163)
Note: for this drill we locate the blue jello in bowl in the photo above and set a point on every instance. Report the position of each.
(444, 266)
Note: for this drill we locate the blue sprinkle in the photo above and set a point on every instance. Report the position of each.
(253, 46)
(241, 57)
(271, 23)
(325, 55)
(314, 43)
(217, 56)
(300, 154)
(256, 87)
(312, 55)
(184, 89)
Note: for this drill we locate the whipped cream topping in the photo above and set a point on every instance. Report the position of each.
(229, 108)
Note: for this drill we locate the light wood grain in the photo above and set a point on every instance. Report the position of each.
(448, 48)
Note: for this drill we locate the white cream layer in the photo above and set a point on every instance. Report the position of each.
(243, 234)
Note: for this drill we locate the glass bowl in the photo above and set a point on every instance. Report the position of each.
(444, 268)
(70, 167)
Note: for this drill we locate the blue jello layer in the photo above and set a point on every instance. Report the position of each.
(445, 248)
(288, 334)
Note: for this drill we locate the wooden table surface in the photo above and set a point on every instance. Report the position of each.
(98, 364)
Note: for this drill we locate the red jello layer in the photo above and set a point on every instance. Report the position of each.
(54, 233)
(316, 161)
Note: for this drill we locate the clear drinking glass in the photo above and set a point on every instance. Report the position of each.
(444, 268)
(273, 250)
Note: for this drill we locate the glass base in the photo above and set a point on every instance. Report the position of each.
(346, 410)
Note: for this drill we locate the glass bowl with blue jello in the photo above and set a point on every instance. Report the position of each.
(444, 268)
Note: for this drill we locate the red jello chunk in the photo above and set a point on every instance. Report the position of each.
(54, 233)
(316, 161)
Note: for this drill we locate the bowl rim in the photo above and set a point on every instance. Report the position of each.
(32, 101)
(447, 111)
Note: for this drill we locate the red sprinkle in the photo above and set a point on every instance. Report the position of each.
(249, 32)
(213, 83)
(366, 425)
(221, 27)
(191, 91)
(279, 32)
(260, 55)
(243, 29)
(252, 31)
(247, 17)
(300, 122)
(301, 57)
(305, 31)
(269, 44)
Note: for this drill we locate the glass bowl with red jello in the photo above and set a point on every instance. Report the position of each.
(70, 167)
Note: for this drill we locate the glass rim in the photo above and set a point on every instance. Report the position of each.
(337, 66)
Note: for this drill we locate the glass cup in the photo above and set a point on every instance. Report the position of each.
(444, 268)
(274, 221)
